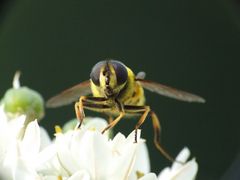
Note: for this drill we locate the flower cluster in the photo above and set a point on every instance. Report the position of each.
(27, 153)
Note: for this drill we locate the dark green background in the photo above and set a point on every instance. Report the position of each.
(191, 45)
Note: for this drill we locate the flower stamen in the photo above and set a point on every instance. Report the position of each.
(58, 129)
(139, 174)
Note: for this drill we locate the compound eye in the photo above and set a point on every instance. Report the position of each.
(121, 72)
(95, 73)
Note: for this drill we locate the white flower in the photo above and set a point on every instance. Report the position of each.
(88, 154)
(186, 171)
(177, 171)
(19, 147)
(15, 156)
(83, 154)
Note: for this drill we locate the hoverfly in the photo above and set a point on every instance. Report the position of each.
(114, 89)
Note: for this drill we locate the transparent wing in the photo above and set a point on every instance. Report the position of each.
(170, 92)
(70, 95)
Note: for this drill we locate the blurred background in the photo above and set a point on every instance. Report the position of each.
(190, 45)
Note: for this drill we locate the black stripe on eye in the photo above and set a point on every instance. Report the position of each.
(95, 73)
(121, 72)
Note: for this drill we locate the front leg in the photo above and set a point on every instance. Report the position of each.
(119, 107)
(97, 103)
(114, 122)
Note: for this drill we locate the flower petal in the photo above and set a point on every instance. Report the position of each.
(66, 158)
(44, 138)
(92, 153)
(24, 171)
(149, 176)
(187, 172)
(179, 171)
(48, 162)
(80, 175)
(30, 144)
(142, 163)
(181, 157)
(125, 157)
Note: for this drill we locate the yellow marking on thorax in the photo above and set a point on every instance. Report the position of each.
(136, 97)
(133, 93)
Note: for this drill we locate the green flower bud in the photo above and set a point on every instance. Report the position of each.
(70, 125)
(23, 100)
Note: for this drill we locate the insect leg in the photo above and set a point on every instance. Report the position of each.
(109, 117)
(141, 120)
(117, 119)
(156, 128)
(144, 110)
(90, 102)
(114, 122)
(95, 99)
(78, 114)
